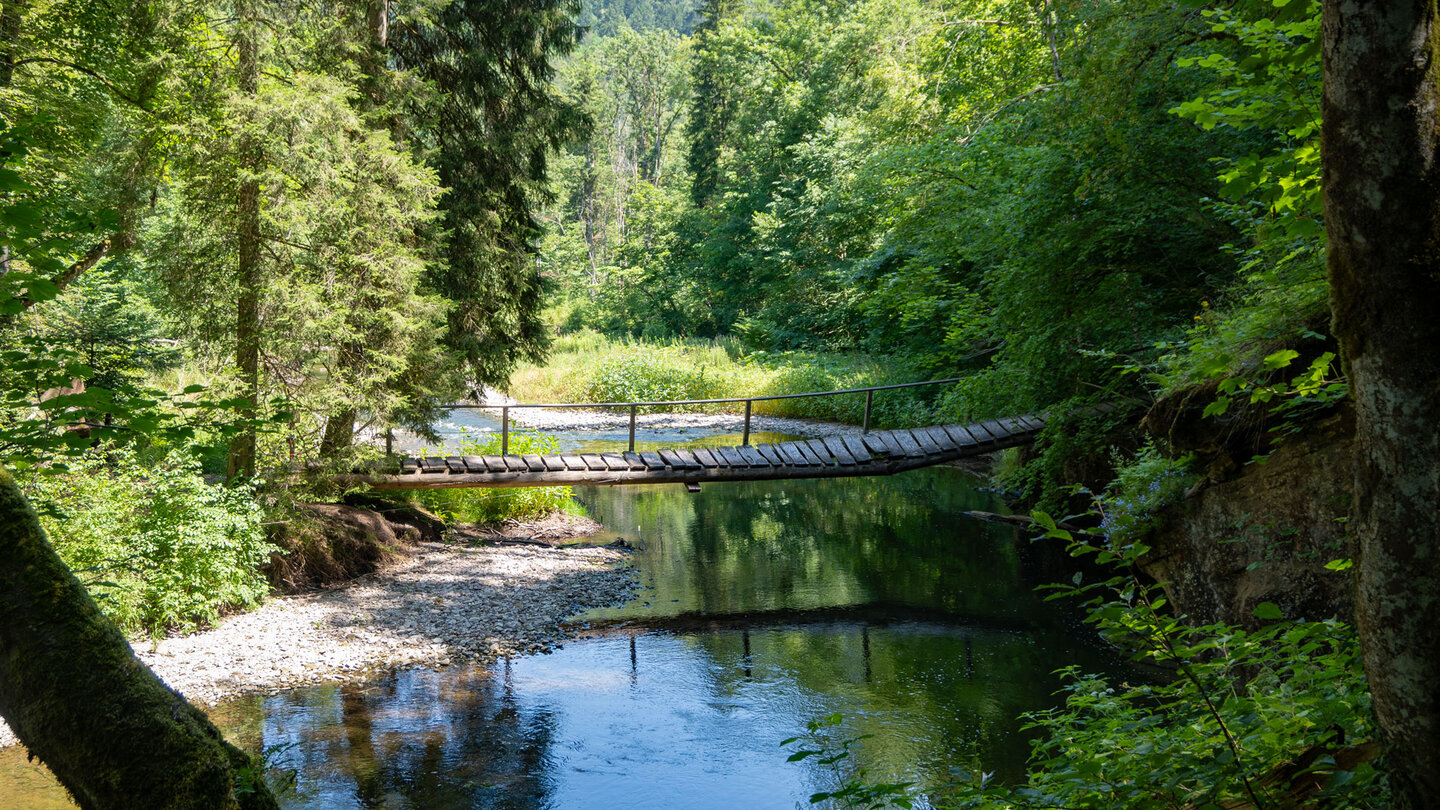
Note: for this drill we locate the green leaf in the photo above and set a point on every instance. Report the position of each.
(1280, 359)
(1267, 610)
(1217, 408)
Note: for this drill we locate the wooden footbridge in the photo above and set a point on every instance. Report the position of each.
(866, 453)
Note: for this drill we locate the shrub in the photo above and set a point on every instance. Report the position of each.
(157, 546)
(490, 505)
(1141, 489)
(1276, 717)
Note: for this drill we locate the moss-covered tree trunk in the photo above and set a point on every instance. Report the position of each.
(75, 694)
(1382, 213)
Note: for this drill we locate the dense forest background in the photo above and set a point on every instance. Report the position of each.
(1044, 197)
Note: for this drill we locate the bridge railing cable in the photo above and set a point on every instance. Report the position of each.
(634, 407)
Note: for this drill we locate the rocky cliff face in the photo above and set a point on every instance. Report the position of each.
(1264, 534)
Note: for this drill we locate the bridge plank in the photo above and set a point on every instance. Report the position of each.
(875, 444)
(634, 460)
(822, 452)
(1031, 423)
(653, 461)
(1012, 425)
(672, 458)
(996, 429)
(573, 463)
(962, 437)
(534, 462)
(731, 458)
(942, 441)
(978, 430)
(771, 454)
(752, 456)
(892, 447)
(908, 444)
(687, 457)
(409, 465)
(925, 441)
(793, 455)
(516, 464)
(455, 464)
(837, 449)
(594, 462)
(856, 448)
(473, 464)
(810, 455)
(613, 461)
(706, 459)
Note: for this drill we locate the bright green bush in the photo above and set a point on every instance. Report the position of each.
(651, 374)
(490, 505)
(158, 547)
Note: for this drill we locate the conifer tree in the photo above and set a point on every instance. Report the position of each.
(490, 123)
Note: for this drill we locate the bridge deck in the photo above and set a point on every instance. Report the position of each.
(882, 452)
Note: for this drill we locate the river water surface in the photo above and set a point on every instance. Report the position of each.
(763, 606)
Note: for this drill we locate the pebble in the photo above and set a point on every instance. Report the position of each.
(445, 605)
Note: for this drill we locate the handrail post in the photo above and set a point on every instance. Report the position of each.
(869, 400)
(389, 441)
(632, 427)
(505, 430)
(745, 440)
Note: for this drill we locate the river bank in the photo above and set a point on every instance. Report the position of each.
(443, 605)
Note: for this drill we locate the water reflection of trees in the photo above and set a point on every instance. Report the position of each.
(933, 696)
(807, 543)
(413, 739)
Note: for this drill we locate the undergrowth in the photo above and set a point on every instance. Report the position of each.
(158, 547)
(589, 367)
(494, 504)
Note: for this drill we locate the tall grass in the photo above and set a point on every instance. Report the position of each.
(589, 367)
(492, 505)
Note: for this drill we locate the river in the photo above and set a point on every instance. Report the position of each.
(763, 606)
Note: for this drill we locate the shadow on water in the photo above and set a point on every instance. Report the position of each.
(764, 605)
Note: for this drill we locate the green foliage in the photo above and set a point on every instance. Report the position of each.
(113, 328)
(1267, 90)
(1246, 717)
(588, 367)
(159, 547)
(490, 121)
(851, 788)
(1143, 486)
(492, 505)
(656, 374)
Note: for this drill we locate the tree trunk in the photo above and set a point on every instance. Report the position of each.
(339, 433)
(1382, 213)
(247, 232)
(73, 692)
(11, 14)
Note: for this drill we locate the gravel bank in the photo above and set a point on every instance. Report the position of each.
(444, 605)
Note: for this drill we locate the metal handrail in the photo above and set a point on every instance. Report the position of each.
(636, 406)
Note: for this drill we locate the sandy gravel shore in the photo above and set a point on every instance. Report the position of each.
(446, 604)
